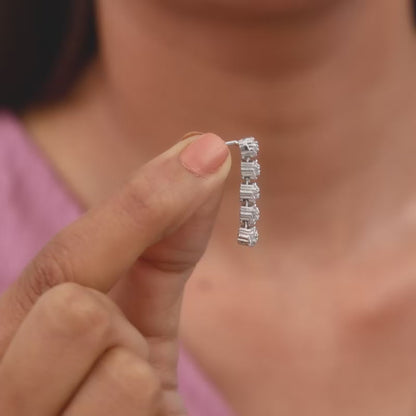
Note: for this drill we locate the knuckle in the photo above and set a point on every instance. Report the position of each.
(137, 201)
(47, 270)
(71, 310)
(51, 267)
(177, 262)
(133, 374)
(142, 201)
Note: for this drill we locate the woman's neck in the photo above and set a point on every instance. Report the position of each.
(328, 91)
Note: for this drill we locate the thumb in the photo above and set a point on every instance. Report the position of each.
(150, 294)
(106, 242)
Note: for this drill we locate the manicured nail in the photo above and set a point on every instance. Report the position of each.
(191, 134)
(205, 155)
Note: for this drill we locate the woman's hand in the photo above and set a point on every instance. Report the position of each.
(90, 326)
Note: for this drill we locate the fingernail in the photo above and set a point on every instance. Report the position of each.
(204, 155)
(191, 134)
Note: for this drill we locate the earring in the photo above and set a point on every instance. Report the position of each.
(249, 190)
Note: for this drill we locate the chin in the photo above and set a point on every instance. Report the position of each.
(253, 7)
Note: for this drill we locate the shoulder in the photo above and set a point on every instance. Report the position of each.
(11, 142)
(20, 164)
(33, 203)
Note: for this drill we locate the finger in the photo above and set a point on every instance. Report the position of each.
(151, 294)
(121, 383)
(56, 346)
(104, 243)
(152, 283)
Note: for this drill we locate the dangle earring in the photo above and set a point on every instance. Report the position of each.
(249, 190)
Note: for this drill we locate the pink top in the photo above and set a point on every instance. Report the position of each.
(35, 205)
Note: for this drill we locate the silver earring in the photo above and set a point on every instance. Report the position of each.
(249, 190)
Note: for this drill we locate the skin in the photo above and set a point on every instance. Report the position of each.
(65, 346)
(320, 318)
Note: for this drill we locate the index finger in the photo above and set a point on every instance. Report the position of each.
(103, 244)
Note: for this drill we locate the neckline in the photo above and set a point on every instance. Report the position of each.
(43, 158)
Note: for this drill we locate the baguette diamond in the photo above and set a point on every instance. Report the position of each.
(250, 170)
(248, 236)
(249, 148)
(249, 192)
(249, 215)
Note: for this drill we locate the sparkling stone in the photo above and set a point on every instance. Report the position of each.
(249, 148)
(248, 236)
(250, 170)
(249, 215)
(249, 192)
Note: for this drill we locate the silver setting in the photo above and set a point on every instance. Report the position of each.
(248, 236)
(249, 215)
(250, 170)
(249, 148)
(249, 191)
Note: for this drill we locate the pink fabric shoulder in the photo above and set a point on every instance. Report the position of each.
(35, 205)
